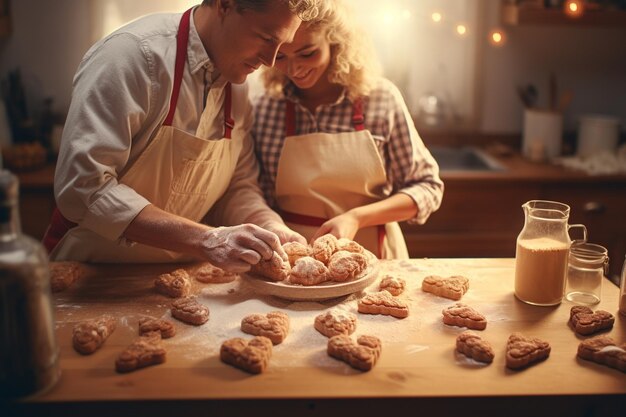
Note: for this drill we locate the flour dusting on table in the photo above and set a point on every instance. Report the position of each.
(230, 302)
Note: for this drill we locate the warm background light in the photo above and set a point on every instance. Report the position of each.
(436, 16)
(497, 37)
(574, 8)
(461, 30)
(388, 17)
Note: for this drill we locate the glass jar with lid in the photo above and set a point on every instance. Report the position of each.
(588, 265)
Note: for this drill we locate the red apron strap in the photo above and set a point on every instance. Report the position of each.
(181, 56)
(59, 226)
(358, 119)
(229, 123)
(382, 233)
(304, 220)
(301, 219)
(290, 118)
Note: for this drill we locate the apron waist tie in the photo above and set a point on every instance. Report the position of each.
(304, 220)
(59, 226)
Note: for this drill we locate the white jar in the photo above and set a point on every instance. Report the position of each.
(597, 134)
(543, 134)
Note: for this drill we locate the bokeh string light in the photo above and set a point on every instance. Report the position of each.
(574, 8)
(496, 37)
(392, 15)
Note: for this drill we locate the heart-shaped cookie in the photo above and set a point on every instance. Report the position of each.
(210, 274)
(451, 287)
(190, 311)
(273, 325)
(275, 268)
(174, 284)
(89, 335)
(335, 322)
(344, 265)
(149, 324)
(473, 346)
(383, 302)
(63, 274)
(462, 315)
(361, 355)
(604, 350)
(251, 356)
(393, 285)
(522, 351)
(147, 350)
(585, 322)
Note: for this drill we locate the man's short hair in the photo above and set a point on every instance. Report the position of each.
(305, 9)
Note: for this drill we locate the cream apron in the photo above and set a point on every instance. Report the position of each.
(322, 175)
(178, 172)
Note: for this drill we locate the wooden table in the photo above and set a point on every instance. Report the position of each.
(418, 372)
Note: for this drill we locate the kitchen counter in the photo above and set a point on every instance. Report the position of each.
(517, 167)
(520, 169)
(417, 371)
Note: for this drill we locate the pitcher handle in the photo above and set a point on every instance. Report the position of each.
(579, 226)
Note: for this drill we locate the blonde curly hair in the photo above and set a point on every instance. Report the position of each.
(353, 63)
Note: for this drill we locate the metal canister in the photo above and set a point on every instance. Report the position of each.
(29, 355)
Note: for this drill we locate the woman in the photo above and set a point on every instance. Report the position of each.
(338, 150)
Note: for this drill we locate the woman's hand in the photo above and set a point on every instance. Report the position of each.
(284, 233)
(345, 225)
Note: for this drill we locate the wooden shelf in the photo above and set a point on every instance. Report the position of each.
(521, 16)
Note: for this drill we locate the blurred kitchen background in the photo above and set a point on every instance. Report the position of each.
(471, 71)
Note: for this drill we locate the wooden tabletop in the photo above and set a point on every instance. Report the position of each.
(418, 364)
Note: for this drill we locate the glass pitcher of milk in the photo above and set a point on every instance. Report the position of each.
(541, 255)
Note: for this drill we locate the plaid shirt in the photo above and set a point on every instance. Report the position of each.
(409, 166)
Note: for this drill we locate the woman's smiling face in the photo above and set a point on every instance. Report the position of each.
(307, 58)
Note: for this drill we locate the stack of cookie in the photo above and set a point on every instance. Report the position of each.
(327, 259)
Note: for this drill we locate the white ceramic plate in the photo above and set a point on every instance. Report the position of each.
(324, 291)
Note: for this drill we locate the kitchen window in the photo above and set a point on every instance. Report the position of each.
(428, 48)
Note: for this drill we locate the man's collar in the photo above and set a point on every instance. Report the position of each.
(197, 57)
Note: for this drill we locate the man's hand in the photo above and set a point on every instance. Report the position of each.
(237, 248)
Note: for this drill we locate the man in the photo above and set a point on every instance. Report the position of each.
(156, 140)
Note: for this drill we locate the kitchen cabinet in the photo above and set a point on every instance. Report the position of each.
(36, 200)
(522, 15)
(601, 208)
(481, 213)
(5, 19)
(477, 219)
